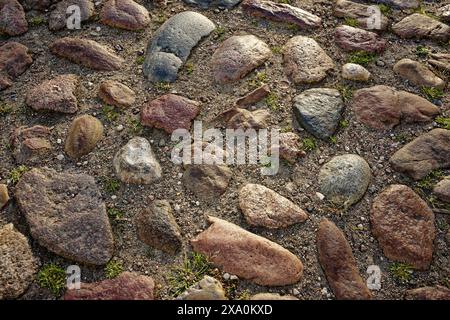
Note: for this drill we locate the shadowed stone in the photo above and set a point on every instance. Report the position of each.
(14, 60)
(428, 293)
(440, 60)
(403, 4)
(59, 16)
(12, 18)
(404, 226)
(30, 143)
(207, 182)
(66, 214)
(204, 4)
(442, 190)
(254, 97)
(172, 44)
(247, 255)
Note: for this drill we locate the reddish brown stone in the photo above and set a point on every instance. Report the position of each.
(442, 190)
(170, 112)
(428, 293)
(116, 94)
(254, 97)
(290, 147)
(247, 255)
(56, 95)
(84, 134)
(354, 39)
(339, 264)
(237, 56)
(30, 143)
(124, 14)
(382, 107)
(126, 286)
(424, 154)
(422, 26)
(14, 60)
(87, 53)
(404, 226)
(361, 12)
(281, 12)
(12, 18)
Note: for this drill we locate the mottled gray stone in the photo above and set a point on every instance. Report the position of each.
(204, 4)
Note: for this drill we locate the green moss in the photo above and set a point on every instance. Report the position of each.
(272, 101)
(220, 32)
(115, 214)
(362, 57)
(430, 180)
(189, 67)
(258, 80)
(37, 21)
(244, 295)
(113, 268)
(422, 51)
(53, 278)
(432, 93)
(443, 122)
(112, 185)
(277, 49)
(309, 144)
(343, 124)
(401, 137)
(135, 126)
(194, 267)
(284, 1)
(401, 272)
(16, 173)
(351, 22)
(162, 86)
(110, 113)
(333, 139)
(385, 9)
(140, 60)
(5, 109)
(345, 91)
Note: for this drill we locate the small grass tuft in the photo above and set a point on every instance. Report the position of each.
(135, 126)
(385, 9)
(52, 277)
(113, 268)
(16, 173)
(362, 57)
(429, 181)
(37, 21)
(309, 144)
(352, 22)
(112, 185)
(5, 109)
(220, 32)
(345, 91)
(115, 214)
(344, 124)
(258, 80)
(110, 112)
(162, 86)
(272, 101)
(244, 295)
(333, 139)
(277, 49)
(140, 60)
(401, 271)
(194, 267)
(189, 67)
(432, 93)
(443, 122)
(422, 51)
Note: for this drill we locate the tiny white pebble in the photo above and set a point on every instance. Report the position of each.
(177, 207)
(320, 196)
(226, 276)
(197, 203)
(98, 29)
(119, 127)
(113, 197)
(233, 277)
(58, 141)
(60, 157)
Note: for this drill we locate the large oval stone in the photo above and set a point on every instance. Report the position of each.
(125, 14)
(84, 134)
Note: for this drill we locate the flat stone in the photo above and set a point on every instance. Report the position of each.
(116, 94)
(4, 196)
(247, 255)
(136, 163)
(58, 17)
(442, 190)
(354, 39)
(172, 44)
(237, 118)
(290, 147)
(418, 74)
(424, 154)
(208, 182)
(421, 26)
(361, 13)
(264, 207)
(66, 214)
(88, 53)
(84, 134)
(319, 111)
(339, 264)
(30, 143)
(355, 72)
(440, 60)
(305, 61)
(428, 293)
(57, 94)
(12, 18)
(17, 263)
(170, 112)
(14, 60)
(124, 14)
(272, 296)
(382, 107)
(157, 227)
(403, 224)
(238, 56)
(206, 289)
(344, 179)
(444, 13)
(281, 12)
(254, 96)
(204, 4)
(403, 4)
(126, 286)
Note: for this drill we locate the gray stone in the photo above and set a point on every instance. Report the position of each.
(207, 182)
(360, 12)
(206, 289)
(424, 154)
(12, 18)
(59, 16)
(204, 4)
(355, 72)
(305, 61)
(344, 179)
(238, 56)
(403, 4)
(319, 111)
(172, 45)
(66, 214)
(17, 263)
(421, 26)
(157, 227)
(442, 190)
(136, 163)
(444, 13)
(440, 60)
(29, 144)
